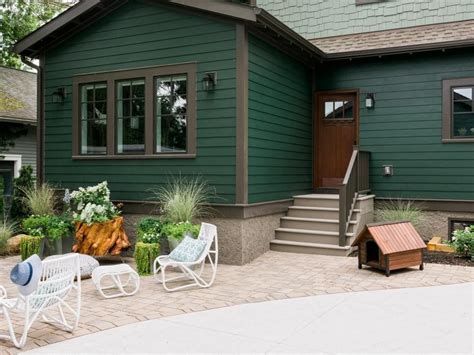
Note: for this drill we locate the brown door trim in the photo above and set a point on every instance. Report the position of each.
(316, 117)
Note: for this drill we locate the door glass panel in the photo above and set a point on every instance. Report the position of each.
(339, 110)
(328, 109)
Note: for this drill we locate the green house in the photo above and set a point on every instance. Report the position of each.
(300, 136)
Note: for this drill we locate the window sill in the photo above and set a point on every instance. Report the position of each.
(134, 157)
(459, 140)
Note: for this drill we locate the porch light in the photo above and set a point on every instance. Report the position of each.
(370, 101)
(59, 95)
(387, 170)
(209, 82)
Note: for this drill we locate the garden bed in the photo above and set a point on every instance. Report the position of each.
(437, 257)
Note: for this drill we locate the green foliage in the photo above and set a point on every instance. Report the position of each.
(40, 200)
(463, 241)
(29, 245)
(19, 18)
(7, 230)
(22, 183)
(93, 205)
(9, 131)
(184, 199)
(51, 227)
(145, 254)
(149, 230)
(178, 230)
(399, 210)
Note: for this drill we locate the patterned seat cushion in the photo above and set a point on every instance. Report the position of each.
(188, 250)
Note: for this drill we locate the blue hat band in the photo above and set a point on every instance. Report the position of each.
(30, 268)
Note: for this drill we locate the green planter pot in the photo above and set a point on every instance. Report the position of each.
(173, 243)
(56, 247)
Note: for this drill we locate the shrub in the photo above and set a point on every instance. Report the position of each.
(463, 241)
(184, 199)
(178, 230)
(29, 245)
(51, 227)
(93, 205)
(399, 210)
(149, 230)
(145, 254)
(40, 200)
(7, 230)
(22, 183)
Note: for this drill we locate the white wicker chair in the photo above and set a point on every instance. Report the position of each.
(192, 271)
(54, 287)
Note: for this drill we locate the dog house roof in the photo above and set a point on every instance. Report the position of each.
(392, 237)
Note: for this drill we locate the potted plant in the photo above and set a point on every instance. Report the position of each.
(463, 241)
(99, 227)
(183, 201)
(148, 244)
(55, 233)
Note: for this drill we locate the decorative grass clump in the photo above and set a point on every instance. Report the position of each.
(145, 254)
(184, 199)
(399, 210)
(29, 245)
(7, 230)
(40, 200)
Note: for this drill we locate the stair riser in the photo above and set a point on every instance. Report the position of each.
(317, 214)
(316, 202)
(307, 238)
(307, 250)
(315, 226)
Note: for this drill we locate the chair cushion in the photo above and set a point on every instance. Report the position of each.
(188, 250)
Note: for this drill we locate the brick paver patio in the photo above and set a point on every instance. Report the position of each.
(272, 276)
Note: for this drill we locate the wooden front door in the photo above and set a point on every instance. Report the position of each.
(336, 134)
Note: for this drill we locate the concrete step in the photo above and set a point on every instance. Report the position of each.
(309, 248)
(317, 212)
(317, 200)
(308, 236)
(330, 225)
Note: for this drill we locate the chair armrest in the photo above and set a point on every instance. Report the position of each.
(3, 292)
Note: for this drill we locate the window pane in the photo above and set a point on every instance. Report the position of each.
(463, 125)
(179, 105)
(348, 110)
(100, 110)
(138, 107)
(462, 94)
(100, 92)
(131, 135)
(171, 131)
(338, 109)
(87, 91)
(163, 105)
(93, 137)
(462, 106)
(163, 87)
(138, 89)
(328, 109)
(179, 86)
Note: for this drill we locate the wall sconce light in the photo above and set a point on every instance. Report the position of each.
(370, 101)
(59, 96)
(209, 82)
(387, 170)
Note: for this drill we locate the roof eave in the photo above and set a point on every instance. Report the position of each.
(379, 52)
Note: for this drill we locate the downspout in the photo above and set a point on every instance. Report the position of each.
(39, 117)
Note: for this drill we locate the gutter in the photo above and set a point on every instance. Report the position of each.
(40, 116)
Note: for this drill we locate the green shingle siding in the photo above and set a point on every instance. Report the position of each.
(280, 124)
(404, 128)
(323, 18)
(139, 35)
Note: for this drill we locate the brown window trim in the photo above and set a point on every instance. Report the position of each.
(149, 73)
(448, 109)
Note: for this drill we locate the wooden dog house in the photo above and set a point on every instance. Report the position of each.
(390, 246)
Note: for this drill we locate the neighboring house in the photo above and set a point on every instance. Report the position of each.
(225, 90)
(18, 108)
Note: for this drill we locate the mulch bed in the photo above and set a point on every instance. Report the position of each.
(437, 257)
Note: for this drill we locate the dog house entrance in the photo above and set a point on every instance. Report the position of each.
(372, 251)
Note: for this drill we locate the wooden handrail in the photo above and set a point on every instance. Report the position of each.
(355, 181)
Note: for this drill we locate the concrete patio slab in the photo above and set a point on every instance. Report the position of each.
(417, 320)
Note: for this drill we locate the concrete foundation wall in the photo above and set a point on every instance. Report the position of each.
(240, 240)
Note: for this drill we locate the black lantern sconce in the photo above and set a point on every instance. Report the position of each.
(209, 82)
(370, 101)
(59, 96)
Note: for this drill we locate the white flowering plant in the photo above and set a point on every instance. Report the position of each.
(93, 205)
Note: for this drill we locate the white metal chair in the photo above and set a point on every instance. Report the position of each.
(192, 270)
(54, 287)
